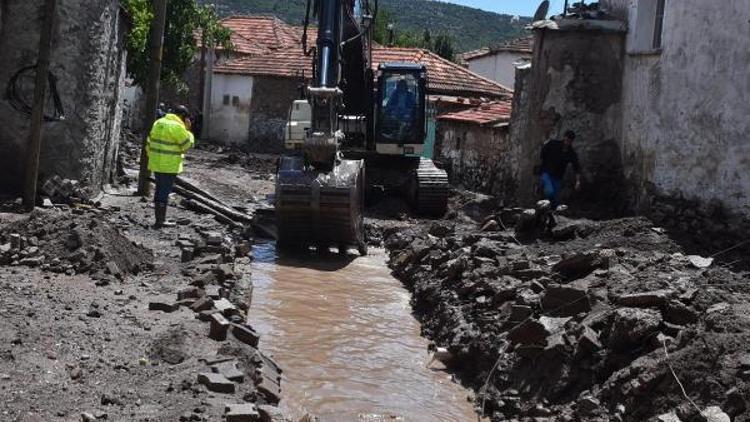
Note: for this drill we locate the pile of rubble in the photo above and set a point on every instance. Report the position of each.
(62, 242)
(217, 296)
(593, 321)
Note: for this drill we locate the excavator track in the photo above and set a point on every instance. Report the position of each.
(431, 192)
(321, 210)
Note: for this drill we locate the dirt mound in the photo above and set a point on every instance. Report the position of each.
(589, 328)
(67, 243)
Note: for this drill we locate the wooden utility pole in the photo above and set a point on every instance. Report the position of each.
(37, 111)
(156, 42)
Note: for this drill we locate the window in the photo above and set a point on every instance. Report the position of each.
(226, 100)
(646, 33)
(658, 24)
(236, 101)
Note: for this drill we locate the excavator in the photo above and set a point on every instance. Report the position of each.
(357, 130)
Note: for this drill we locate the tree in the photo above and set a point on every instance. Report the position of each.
(443, 47)
(184, 18)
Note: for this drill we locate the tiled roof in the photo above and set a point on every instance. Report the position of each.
(289, 63)
(523, 45)
(485, 114)
(261, 31)
(444, 77)
(267, 46)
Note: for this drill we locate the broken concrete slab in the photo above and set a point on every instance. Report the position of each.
(245, 412)
(216, 383)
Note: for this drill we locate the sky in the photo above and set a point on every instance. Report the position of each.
(512, 7)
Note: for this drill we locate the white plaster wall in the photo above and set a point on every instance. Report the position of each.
(230, 124)
(686, 113)
(499, 67)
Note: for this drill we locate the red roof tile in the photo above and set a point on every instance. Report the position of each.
(267, 46)
(264, 31)
(444, 77)
(485, 114)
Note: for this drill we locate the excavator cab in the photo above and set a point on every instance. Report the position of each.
(400, 109)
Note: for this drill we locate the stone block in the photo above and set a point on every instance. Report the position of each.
(271, 414)
(226, 307)
(566, 300)
(519, 313)
(202, 304)
(678, 313)
(245, 334)
(190, 293)
(213, 291)
(213, 238)
(245, 412)
(653, 299)
(219, 327)
(187, 254)
(588, 341)
(164, 306)
(216, 383)
(229, 370)
(205, 316)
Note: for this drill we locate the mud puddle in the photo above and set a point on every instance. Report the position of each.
(343, 331)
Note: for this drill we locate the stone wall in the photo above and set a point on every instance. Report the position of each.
(269, 112)
(88, 64)
(575, 83)
(685, 108)
(475, 156)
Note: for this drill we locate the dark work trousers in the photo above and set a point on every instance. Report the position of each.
(164, 184)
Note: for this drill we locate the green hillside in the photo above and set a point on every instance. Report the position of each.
(470, 28)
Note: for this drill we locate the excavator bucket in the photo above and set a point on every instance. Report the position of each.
(320, 209)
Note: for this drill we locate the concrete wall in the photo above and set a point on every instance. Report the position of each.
(685, 110)
(476, 156)
(88, 63)
(231, 99)
(575, 83)
(272, 101)
(499, 66)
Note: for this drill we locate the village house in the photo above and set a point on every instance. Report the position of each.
(499, 62)
(474, 143)
(251, 92)
(656, 90)
(82, 117)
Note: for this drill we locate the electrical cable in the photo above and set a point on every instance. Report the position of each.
(18, 102)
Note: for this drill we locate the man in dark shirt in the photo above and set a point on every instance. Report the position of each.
(556, 156)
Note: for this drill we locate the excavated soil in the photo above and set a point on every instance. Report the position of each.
(584, 323)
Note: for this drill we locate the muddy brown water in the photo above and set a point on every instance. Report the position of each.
(342, 329)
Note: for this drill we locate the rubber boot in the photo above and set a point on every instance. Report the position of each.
(164, 221)
(160, 214)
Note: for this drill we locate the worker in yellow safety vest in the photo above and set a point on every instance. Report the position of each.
(170, 138)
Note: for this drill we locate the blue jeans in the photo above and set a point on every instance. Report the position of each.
(551, 187)
(164, 184)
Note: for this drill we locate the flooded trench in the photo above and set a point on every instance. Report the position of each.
(342, 329)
